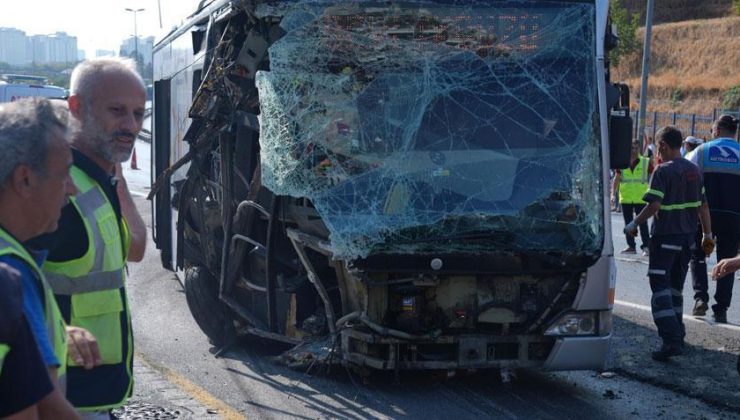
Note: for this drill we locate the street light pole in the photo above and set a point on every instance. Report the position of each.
(645, 72)
(136, 36)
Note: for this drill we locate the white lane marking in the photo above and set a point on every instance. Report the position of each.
(685, 317)
(631, 260)
(138, 194)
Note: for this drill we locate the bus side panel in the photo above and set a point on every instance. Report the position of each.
(174, 63)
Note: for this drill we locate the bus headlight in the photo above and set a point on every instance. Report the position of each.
(574, 323)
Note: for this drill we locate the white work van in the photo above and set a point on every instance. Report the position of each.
(14, 88)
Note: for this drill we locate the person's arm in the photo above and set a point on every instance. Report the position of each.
(83, 347)
(647, 212)
(726, 266)
(615, 185)
(24, 381)
(54, 405)
(706, 220)
(35, 314)
(653, 196)
(30, 413)
(137, 228)
(707, 242)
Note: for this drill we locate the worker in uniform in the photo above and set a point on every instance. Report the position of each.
(675, 197)
(698, 262)
(690, 143)
(100, 230)
(632, 184)
(719, 164)
(727, 266)
(24, 381)
(35, 186)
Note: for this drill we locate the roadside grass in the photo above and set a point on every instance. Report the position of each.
(680, 10)
(693, 64)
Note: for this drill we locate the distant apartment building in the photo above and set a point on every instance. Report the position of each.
(54, 48)
(13, 47)
(128, 47)
(16, 48)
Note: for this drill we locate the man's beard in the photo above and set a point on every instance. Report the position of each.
(94, 136)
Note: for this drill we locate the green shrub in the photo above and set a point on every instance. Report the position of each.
(626, 30)
(731, 99)
(736, 6)
(677, 96)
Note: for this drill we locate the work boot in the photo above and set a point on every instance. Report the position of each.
(628, 250)
(700, 308)
(667, 351)
(720, 316)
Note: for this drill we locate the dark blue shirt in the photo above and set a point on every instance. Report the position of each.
(24, 380)
(677, 185)
(33, 304)
(719, 163)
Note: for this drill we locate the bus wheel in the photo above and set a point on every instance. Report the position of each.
(211, 315)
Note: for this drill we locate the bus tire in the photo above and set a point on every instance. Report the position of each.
(211, 315)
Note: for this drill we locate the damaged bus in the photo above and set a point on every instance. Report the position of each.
(398, 184)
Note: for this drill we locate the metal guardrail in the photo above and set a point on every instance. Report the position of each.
(697, 125)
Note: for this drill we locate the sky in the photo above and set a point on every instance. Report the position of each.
(97, 24)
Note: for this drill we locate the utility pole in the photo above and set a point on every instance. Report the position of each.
(645, 72)
(136, 38)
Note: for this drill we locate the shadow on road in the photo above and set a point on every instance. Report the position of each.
(337, 392)
(707, 370)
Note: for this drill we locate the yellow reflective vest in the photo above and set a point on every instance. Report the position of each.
(634, 183)
(92, 287)
(55, 326)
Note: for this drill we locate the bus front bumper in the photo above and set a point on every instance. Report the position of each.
(578, 353)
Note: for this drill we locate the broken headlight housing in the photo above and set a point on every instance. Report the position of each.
(581, 323)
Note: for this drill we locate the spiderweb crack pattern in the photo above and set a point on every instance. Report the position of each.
(427, 127)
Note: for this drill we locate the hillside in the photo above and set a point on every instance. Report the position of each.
(693, 63)
(680, 10)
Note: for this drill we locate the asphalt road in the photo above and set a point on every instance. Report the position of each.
(245, 381)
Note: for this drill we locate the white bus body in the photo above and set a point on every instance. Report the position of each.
(316, 201)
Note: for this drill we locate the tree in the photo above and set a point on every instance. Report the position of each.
(626, 30)
(731, 99)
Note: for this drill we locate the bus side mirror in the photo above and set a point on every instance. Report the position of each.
(620, 129)
(620, 141)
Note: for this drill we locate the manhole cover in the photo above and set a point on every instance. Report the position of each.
(143, 411)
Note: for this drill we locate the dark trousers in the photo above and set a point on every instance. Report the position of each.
(698, 266)
(629, 212)
(669, 261)
(726, 228)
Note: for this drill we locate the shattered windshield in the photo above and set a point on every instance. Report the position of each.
(428, 127)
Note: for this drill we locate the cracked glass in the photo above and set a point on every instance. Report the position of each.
(437, 127)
